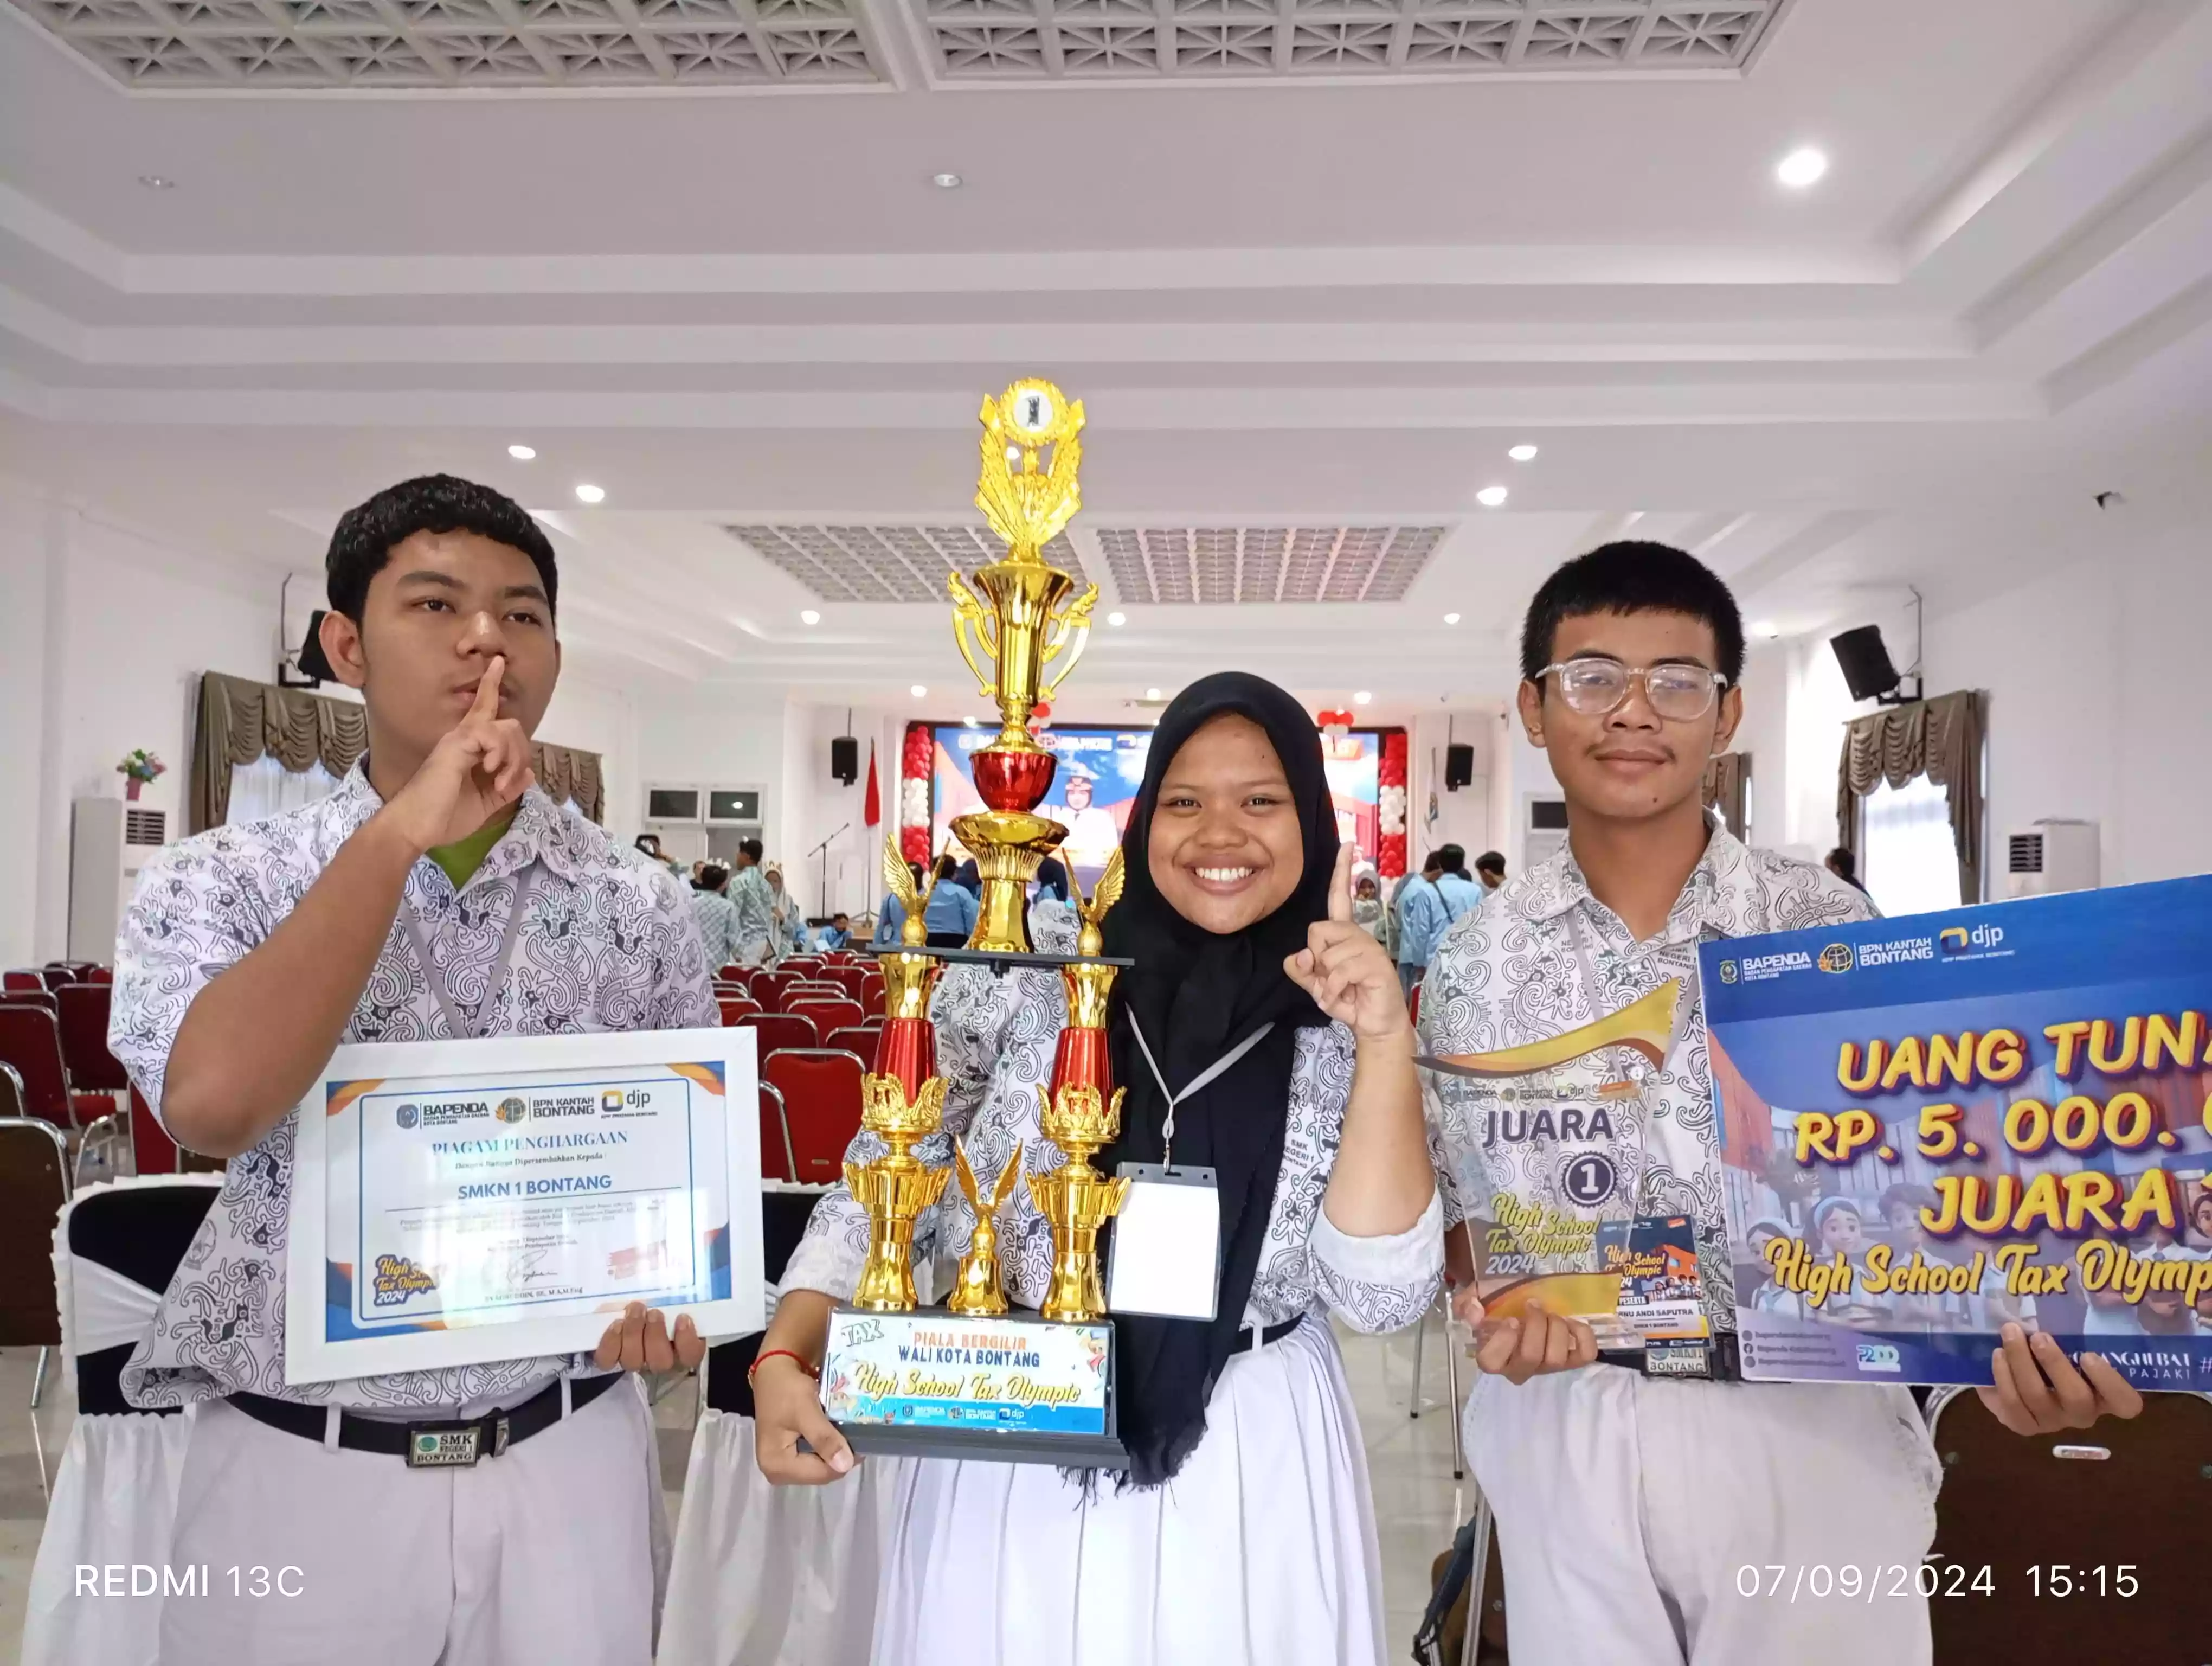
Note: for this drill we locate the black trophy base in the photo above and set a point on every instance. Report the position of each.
(1062, 1450)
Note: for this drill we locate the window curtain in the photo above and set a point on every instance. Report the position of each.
(1727, 789)
(1941, 739)
(265, 788)
(242, 721)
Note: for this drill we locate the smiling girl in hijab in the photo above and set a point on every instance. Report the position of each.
(1243, 1529)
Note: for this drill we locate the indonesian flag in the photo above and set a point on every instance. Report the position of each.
(872, 806)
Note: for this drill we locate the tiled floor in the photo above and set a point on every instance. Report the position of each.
(1417, 1503)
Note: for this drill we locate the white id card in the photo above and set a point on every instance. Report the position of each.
(1165, 1256)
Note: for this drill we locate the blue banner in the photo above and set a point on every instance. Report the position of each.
(1935, 1125)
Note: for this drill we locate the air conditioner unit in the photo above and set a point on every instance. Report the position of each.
(2051, 856)
(1544, 829)
(110, 841)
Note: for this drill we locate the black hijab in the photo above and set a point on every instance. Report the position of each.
(1197, 995)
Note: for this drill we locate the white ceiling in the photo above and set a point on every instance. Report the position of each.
(1293, 308)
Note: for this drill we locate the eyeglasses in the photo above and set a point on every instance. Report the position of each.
(1595, 686)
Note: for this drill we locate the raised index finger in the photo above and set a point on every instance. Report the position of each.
(1340, 885)
(486, 703)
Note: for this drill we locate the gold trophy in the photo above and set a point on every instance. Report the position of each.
(978, 1291)
(1021, 623)
(976, 1379)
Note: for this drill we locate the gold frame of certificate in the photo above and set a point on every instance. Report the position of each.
(460, 1202)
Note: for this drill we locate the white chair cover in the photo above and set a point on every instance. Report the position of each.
(773, 1576)
(115, 1495)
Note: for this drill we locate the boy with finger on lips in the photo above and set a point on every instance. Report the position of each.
(436, 894)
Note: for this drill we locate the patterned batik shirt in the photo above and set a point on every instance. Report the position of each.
(717, 920)
(756, 906)
(1519, 969)
(605, 945)
(995, 1041)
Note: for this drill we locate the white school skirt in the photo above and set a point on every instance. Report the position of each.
(1262, 1549)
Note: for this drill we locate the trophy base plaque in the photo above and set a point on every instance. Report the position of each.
(929, 1383)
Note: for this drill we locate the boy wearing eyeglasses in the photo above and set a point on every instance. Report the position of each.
(1628, 1504)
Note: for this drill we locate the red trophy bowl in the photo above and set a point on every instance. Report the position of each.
(1082, 1059)
(908, 1050)
(1013, 781)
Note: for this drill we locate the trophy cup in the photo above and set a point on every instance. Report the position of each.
(975, 1379)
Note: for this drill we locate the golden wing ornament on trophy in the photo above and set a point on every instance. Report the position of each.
(980, 1377)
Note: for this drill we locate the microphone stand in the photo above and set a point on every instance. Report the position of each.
(822, 851)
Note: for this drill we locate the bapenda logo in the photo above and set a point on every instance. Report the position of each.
(409, 1116)
(1879, 1356)
(1836, 957)
(1756, 967)
(1728, 971)
(512, 1110)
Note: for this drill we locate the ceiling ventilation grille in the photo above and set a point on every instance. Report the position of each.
(885, 563)
(257, 45)
(1216, 564)
(1053, 40)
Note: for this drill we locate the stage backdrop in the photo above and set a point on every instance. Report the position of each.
(1096, 784)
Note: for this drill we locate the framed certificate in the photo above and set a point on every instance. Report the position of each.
(458, 1202)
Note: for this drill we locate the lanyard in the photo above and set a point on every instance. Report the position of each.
(525, 882)
(1167, 1130)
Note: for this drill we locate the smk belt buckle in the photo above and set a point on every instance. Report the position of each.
(451, 1445)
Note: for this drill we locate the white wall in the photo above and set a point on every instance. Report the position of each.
(2094, 709)
(1466, 816)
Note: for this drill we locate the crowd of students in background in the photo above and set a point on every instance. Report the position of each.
(747, 916)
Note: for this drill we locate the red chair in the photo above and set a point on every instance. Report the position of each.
(800, 963)
(83, 1016)
(152, 1150)
(733, 973)
(798, 993)
(736, 1009)
(31, 1040)
(828, 1015)
(779, 1030)
(100, 974)
(23, 978)
(850, 979)
(820, 1089)
(768, 987)
(871, 993)
(776, 1161)
(43, 998)
(56, 975)
(860, 1038)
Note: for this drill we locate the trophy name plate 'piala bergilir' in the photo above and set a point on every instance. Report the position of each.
(975, 1378)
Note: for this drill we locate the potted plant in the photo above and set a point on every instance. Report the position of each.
(139, 768)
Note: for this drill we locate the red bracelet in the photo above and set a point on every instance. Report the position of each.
(753, 1371)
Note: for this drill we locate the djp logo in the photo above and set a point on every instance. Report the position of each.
(1954, 939)
(1836, 957)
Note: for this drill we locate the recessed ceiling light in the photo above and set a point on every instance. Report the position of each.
(157, 182)
(1801, 166)
(1451, 618)
(1766, 628)
(1522, 453)
(591, 494)
(1491, 496)
(1151, 694)
(946, 182)
(918, 690)
(808, 616)
(1117, 619)
(522, 454)
(1362, 698)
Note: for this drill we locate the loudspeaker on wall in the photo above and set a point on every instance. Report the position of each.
(844, 759)
(1459, 766)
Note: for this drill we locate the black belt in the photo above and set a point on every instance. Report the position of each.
(429, 1445)
(1268, 1334)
